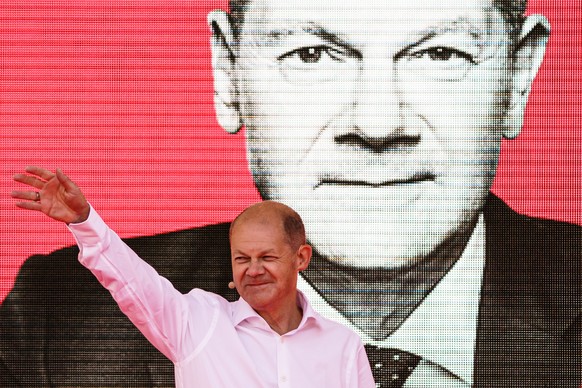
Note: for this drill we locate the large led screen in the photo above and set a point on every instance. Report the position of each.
(120, 95)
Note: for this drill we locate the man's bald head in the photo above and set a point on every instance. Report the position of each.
(267, 212)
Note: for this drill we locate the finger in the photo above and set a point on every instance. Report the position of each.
(29, 205)
(29, 180)
(30, 195)
(65, 181)
(45, 174)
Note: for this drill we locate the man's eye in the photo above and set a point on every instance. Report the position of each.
(442, 54)
(310, 54)
(439, 63)
(313, 54)
(312, 64)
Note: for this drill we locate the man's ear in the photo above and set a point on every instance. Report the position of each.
(304, 256)
(528, 56)
(225, 92)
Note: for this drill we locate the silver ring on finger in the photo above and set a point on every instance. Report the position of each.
(37, 198)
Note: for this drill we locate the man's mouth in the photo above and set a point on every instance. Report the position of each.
(256, 284)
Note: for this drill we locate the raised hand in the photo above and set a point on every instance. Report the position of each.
(58, 197)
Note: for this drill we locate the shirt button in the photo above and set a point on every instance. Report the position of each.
(283, 379)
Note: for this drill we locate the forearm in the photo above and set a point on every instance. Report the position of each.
(149, 300)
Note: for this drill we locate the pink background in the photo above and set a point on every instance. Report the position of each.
(119, 95)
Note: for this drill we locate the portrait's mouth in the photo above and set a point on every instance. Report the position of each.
(397, 189)
(378, 183)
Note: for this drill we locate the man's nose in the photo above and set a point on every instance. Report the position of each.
(255, 268)
(378, 104)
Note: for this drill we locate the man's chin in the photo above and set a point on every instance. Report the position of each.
(257, 300)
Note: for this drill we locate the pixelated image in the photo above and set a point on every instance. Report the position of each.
(432, 148)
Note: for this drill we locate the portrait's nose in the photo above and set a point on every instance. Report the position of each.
(378, 104)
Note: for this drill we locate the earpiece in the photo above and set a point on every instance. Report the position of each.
(231, 285)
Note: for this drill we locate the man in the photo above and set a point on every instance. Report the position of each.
(269, 337)
(380, 123)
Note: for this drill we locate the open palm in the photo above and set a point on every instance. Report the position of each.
(58, 197)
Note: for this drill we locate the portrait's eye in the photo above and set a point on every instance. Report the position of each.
(438, 63)
(316, 64)
(310, 54)
(443, 54)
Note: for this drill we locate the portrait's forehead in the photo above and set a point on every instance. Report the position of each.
(366, 19)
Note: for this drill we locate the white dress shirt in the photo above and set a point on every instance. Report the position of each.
(442, 329)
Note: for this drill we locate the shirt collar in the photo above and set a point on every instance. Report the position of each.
(450, 341)
(243, 312)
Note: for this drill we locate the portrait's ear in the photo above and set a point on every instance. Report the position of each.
(304, 256)
(225, 92)
(528, 56)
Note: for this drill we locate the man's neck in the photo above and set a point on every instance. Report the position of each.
(282, 319)
(378, 301)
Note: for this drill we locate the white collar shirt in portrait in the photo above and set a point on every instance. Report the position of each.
(442, 329)
(216, 343)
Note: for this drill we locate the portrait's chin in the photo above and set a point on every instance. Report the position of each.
(372, 262)
(375, 234)
(360, 254)
(389, 226)
(392, 237)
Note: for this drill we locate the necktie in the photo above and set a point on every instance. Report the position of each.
(391, 367)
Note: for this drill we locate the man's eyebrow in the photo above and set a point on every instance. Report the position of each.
(461, 24)
(310, 28)
(458, 25)
(243, 252)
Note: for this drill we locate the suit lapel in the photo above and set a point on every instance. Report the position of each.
(522, 336)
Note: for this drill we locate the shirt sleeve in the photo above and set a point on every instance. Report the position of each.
(364, 371)
(149, 300)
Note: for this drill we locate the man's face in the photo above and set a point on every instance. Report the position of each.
(264, 265)
(379, 122)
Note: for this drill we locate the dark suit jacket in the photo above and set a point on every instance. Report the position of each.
(59, 327)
